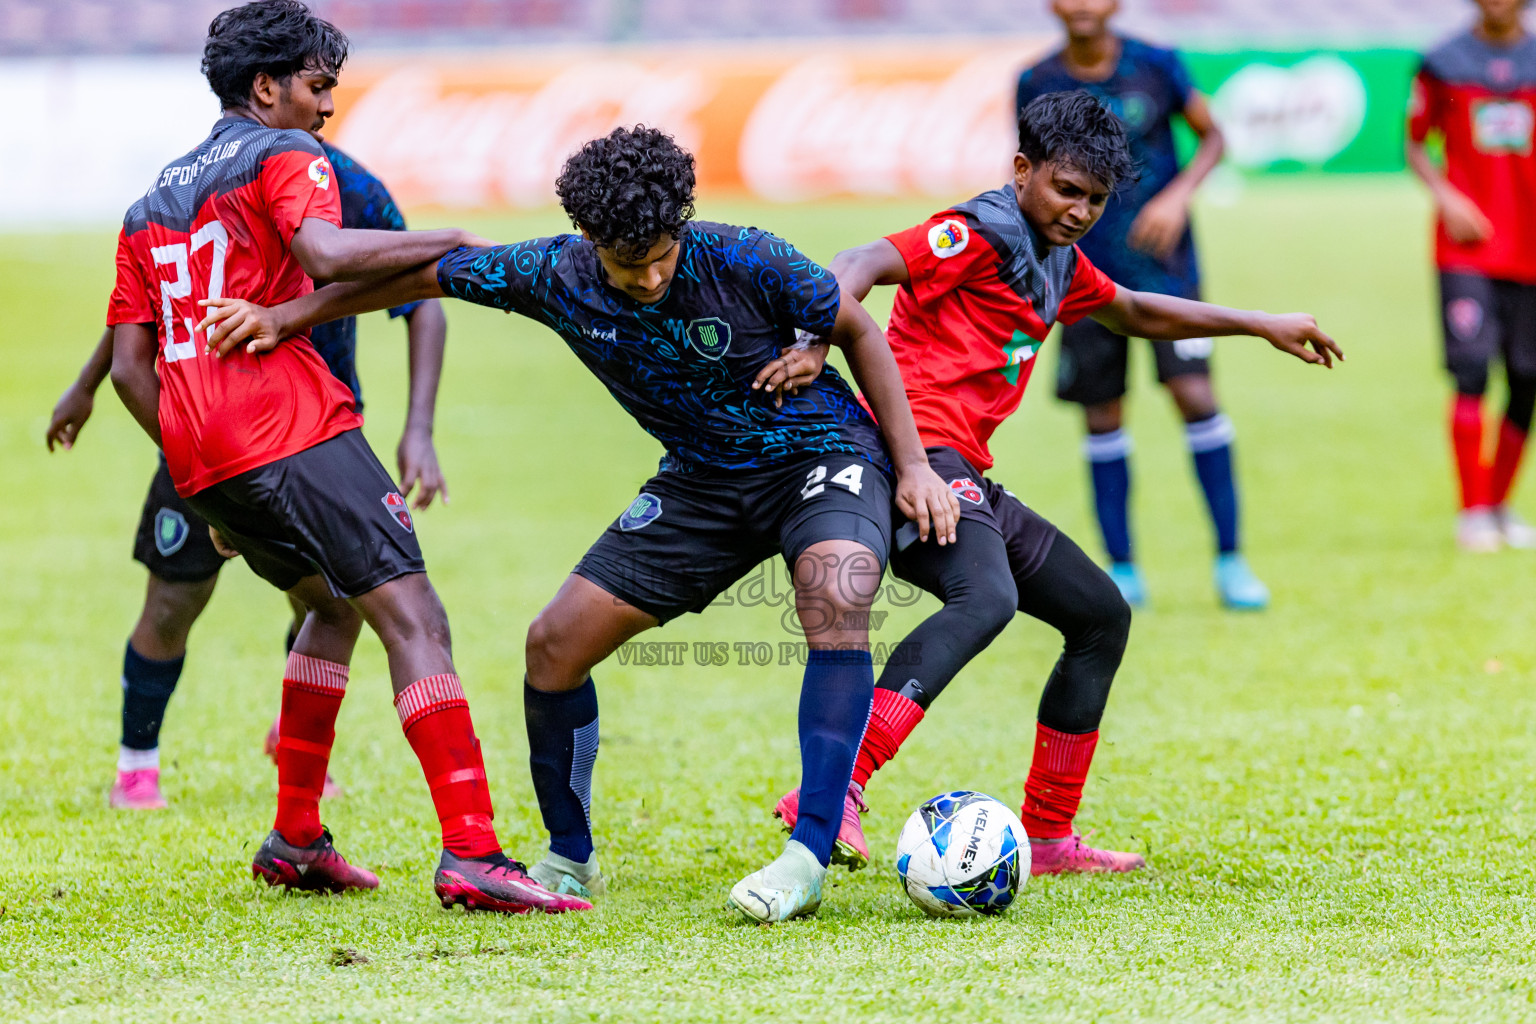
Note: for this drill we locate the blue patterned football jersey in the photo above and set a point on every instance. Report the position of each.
(365, 203)
(1148, 89)
(683, 367)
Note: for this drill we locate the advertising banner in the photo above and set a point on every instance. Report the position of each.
(782, 122)
(1309, 110)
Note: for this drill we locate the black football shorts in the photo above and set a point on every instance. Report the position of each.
(1094, 361)
(1484, 320)
(173, 541)
(689, 535)
(1027, 535)
(331, 509)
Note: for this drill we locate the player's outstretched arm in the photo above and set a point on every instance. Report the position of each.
(234, 322)
(920, 493)
(1166, 318)
(427, 331)
(133, 374)
(329, 253)
(79, 399)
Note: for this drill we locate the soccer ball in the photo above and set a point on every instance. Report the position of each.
(962, 854)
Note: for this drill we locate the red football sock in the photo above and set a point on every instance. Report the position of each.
(1467, 442)
(891, 721)
(312, 692)
(1506, 462)
(435, 717)
(1055, 784)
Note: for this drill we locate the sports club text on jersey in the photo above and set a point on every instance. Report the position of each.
(1481, 99)
(984, 290)
(219, 222)
(683, 366)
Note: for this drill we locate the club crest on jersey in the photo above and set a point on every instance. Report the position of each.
(642, 512)
(171, 531)
(320, 173)
(710, 336)
(949, 238)
(1465, 316)
(966, 489)
(399, 510)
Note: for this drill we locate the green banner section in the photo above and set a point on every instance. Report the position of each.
(1308, 110)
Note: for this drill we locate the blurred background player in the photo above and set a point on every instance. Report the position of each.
(1476, 96)
(173, 541)
(1144, 242)
(270, 452)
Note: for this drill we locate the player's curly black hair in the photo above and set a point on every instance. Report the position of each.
(628, 188)
(1074, 128)
(280, 37)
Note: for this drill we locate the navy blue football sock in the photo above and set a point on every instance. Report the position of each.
(562, 748)
(1109, 462)
(835, 699)
(1210, 442)
(147, 689)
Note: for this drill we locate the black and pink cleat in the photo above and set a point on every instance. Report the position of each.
(497, 884)
(317, 867)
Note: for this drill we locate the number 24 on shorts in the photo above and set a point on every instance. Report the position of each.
(852, 478)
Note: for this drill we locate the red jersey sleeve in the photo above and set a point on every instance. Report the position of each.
(941, 254)
(1424, 106)
(131, 301)
(299, 183)
(1091, 290)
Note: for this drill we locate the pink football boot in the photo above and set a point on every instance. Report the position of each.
(137, 791)
(1072, 856)
(850, 849)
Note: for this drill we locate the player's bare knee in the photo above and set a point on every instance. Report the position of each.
(170, 609)
(548, 654)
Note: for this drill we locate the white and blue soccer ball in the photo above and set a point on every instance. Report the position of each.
(962, 854)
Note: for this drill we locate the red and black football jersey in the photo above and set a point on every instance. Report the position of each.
(1481, 99)
(983, 294)
(218, 222)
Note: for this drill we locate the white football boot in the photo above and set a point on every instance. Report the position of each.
(788, 888)
(1515, 531)
(573, 878)
(1477, 530)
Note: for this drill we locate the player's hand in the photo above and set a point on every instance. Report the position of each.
(923, 496)
(474, 241)
(796, 367)
(1159, 228)
(222, 546)
(1294, 332)
(69, 416)
(1464, 222)
(417, 459)
(233, 322)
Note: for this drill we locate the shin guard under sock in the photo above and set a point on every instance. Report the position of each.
(891, 721)
(312, 692)
(1467, 443)
(1109, 464)
(147, 689)
(1210, 445)
(1055, 784)
(835, 702)
(435, 718)
(562, 750)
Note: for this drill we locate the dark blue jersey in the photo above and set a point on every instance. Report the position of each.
(683, 367)
(1148, 88)
(365, 203)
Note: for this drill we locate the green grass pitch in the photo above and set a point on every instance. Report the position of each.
(1335, 796)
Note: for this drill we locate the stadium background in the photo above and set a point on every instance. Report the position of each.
(1334, 795)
